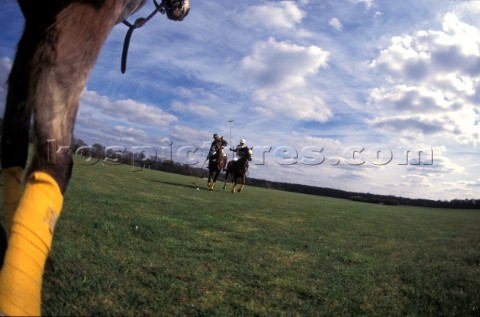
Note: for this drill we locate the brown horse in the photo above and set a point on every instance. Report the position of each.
(238, 169)
(59, 46)
(216, 163)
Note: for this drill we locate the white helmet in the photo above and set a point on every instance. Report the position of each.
(242, 141)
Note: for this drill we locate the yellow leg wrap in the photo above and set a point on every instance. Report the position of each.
(12, 191)
(29, 245)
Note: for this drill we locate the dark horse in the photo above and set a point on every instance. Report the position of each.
(59, 46)
(216, 163)
(238, 168)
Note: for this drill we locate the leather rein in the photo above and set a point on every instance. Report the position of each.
(165, 7)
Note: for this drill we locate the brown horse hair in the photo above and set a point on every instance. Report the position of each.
(59, 46)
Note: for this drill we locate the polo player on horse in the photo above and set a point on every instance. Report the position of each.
(239, 150)
(218, 144)
(217, 160)
(239, 166)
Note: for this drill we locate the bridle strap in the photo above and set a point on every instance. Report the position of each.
(162, 7)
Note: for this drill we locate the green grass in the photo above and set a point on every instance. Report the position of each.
(149, 243)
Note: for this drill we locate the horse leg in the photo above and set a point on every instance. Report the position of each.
(14, 143)
(234, 183)
(66, 50)
(212, 185)
(243, 183)
(227, 172)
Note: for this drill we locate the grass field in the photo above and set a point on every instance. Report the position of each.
(149, 243)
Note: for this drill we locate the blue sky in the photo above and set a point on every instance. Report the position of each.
(329, 93)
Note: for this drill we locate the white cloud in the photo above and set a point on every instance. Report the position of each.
(410, 126)
(431, 176)
(181, 135)
(296, 106)
(122, 134)
(422, 55)
(368, 3)
(119, 121)
(279, 72)
(280, 65)
(126, 110)
(129, 131)
(433, 76)
(282, 14)
(473, 184)
(336, 24)
(412, 99)
(201, 110)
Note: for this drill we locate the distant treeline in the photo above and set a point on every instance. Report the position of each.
(367, 197)
(178, 168)
(173, 167)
